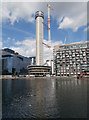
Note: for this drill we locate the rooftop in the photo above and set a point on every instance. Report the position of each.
(71, 44)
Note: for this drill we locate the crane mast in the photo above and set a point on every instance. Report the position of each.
(49, 37)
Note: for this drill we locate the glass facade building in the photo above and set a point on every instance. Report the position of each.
(13, 62)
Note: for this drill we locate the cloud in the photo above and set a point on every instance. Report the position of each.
(74, 18)
(48, 51)
(25, 47)
(14, 12)
(66, 22)
(75, 12)
(0, 45)
(86, 29)
(8, 38)
(28, 48)
(7, 41)
(73, 23)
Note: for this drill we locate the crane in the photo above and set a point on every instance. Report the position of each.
(46, 45)
(48, 28)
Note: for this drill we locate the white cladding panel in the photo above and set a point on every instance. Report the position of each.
(39, 41)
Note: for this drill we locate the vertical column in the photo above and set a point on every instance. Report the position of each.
(39, 16)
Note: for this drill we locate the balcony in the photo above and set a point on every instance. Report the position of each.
(84, 65)
(77, 50)
(78, 55)
(81, 57)
(67, 61)
(87, 56)
(63, 56)
(83, 50)
(78, 60)
(81, 53)
(87, 51)
(84, 60)
(84, 54)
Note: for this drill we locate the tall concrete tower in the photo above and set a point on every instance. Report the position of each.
(39, 16)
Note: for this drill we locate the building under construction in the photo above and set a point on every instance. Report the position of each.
(39, 68)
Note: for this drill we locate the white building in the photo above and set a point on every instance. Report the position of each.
(52, 65)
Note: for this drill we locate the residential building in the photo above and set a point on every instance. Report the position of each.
(71, 59)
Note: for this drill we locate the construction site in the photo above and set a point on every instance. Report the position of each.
(41, 68)
(68, 59)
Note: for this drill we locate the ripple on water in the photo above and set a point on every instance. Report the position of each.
(40, 98)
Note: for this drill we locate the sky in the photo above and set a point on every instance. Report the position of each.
(68, 25)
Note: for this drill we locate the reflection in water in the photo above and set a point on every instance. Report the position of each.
(44, 98)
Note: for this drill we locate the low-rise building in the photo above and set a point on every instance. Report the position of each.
(71, 59)
(13, 62)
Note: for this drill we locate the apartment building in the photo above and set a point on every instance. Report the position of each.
(71, 59)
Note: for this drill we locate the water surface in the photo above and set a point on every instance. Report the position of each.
(44, 98)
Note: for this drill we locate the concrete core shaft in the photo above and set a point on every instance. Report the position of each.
(39, 16)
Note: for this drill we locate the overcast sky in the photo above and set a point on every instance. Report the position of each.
(68, 23)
